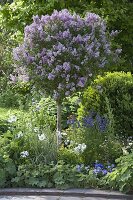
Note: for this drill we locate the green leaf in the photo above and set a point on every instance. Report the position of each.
(2, 177)
(33, 181)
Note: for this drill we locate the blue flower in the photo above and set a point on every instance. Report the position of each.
(99, 165)
(78, 168)
(113, 165)
(88, 121)
(102, 122)
(70, 121)
(104, 171)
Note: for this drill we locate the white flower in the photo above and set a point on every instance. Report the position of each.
(67, 142)
(24, 154)
(36, 129)
(98, 87)
(77, 150)
(83, 146)
(63, 133)
(12, 118)
(90, 75)
(20, 134)
(80, 148)
(29, 125)
(41, 137)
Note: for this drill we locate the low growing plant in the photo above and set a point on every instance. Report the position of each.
(60, 175)
(122, 178)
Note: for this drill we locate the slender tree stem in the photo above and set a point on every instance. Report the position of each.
(58, 132)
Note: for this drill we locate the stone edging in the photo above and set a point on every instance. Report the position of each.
(69, 192)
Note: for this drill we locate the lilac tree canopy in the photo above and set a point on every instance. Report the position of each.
(61, 52)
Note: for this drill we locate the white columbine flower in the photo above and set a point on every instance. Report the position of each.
(41, 137)
(36, 129)
(83, 146)
(80, 148)
(24, 154)
(77, 150)
(12, 118)
(20, 134)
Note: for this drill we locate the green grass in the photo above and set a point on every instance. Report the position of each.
(6, 112)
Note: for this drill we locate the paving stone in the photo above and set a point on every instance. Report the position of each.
(93, 198)
(70, 198)
(52, 198)
(97, 198)
(29, 198)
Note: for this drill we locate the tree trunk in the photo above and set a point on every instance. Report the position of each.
(58, 132)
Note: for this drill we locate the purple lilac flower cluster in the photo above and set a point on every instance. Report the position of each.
(101, 170)
(62, 51)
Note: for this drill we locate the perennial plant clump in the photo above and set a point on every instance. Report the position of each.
(90, 137)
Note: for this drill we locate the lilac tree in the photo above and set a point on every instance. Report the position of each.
(60, 53)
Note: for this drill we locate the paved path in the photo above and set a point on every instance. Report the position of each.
(55, 194)
(50, 198)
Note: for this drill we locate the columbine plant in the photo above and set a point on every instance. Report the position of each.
(61, 52)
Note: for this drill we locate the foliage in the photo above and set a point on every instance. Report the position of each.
(91, 138)
(48, 105)
(7, 170)
(8, 97)
(68, 156)
(117, 87)
(31, 134)
(118, 15)
(76, 49)
(4, 114)
(60, 176)
(69, 108)
(122, 177)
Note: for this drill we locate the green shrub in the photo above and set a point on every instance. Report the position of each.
(117, 87)
(69, 156)
(7, 170)
(8, 98)
(122, 177)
